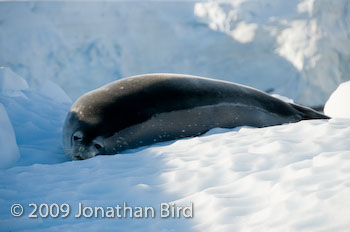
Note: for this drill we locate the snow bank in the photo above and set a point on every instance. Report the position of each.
(295, 48)
(37, 116)
(9, 151)
(338, 105)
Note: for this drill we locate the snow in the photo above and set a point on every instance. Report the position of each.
(338, 105)
(9, 150)
(292, 177)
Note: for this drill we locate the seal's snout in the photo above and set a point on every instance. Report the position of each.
(82, 152)
(80, 149)
(83, 155)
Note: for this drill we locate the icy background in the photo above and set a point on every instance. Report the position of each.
(293, 177)
(299, 49)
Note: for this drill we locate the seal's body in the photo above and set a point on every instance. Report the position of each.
(146, 109)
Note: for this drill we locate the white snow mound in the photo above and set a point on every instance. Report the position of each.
(338, 104)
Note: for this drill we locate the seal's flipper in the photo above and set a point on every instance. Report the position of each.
(308, 113)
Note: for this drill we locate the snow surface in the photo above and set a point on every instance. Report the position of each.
(338, 105)
(297, 48)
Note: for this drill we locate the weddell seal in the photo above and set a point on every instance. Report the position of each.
(147, 109)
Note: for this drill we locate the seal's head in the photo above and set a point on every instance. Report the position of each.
(80, 148)
(79, 140)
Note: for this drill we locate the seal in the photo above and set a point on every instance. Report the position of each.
(146, 109)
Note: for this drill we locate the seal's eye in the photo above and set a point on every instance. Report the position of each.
(78, 136)
(97, 146)
(98, 143)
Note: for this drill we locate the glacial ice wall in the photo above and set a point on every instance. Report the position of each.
(299, 49)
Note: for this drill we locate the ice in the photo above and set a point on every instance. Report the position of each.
(338, 104)
(53, 91)
(11, 84)
(9, 151)
(295, 48)
(37, 116)
(312, 36)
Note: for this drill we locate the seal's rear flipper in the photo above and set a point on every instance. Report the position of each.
(308, 113)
